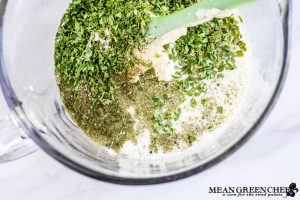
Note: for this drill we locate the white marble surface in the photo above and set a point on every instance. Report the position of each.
(271, 157)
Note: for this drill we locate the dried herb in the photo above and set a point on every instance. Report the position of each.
(93, 52)
(205, 52)
(191, 138)
(96, 38)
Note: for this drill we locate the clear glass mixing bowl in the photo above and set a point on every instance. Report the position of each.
(38, 117)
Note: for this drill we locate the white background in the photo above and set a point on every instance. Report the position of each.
(270, 158)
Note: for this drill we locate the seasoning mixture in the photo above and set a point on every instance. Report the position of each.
(125, 90)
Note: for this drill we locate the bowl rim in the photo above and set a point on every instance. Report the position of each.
(15, 107)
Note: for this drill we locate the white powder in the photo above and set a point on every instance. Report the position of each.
(154, 53)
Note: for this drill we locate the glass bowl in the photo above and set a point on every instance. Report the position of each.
(38, 116)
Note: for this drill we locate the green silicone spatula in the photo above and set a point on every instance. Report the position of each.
(161, 25)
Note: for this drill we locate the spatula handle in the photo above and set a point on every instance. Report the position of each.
(164, 24)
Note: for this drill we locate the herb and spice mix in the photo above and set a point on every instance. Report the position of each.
(129, 92)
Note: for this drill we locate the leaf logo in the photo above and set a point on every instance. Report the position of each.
(292, 190)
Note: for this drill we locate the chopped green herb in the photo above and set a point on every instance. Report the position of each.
(204, 101)
(193, 103)
(175, 115)
(158, 119)
(157, 55)
(191, 138)
(240, 53)
(220, 75)
(220, 109)
(157, 102)
(166, 47)
(241, 19)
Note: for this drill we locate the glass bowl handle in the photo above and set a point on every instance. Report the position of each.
(14, 143)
